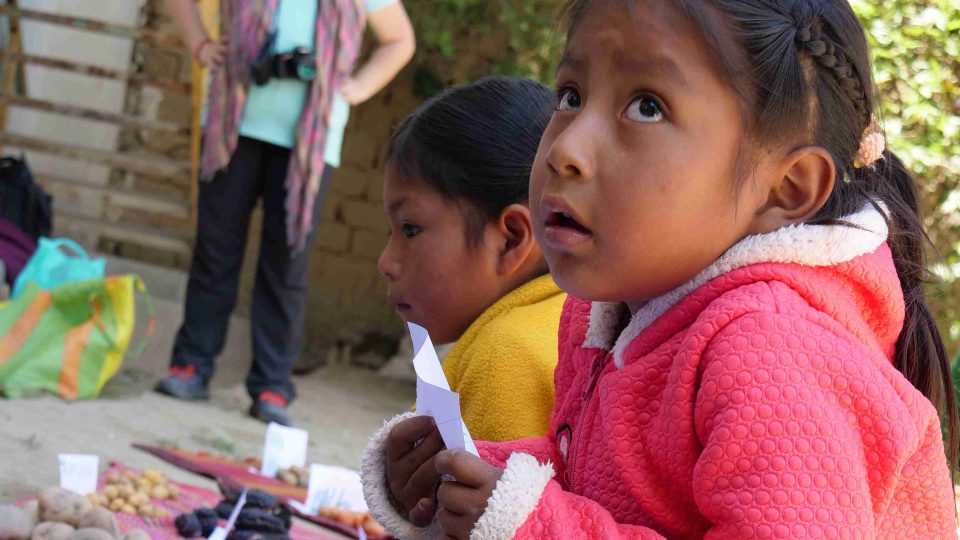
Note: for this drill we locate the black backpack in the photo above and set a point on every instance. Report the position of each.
(22, 201)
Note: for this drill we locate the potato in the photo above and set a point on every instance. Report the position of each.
(92, 534)
(288, 477)
(15, 524)
(160, 492)
(154, 476)
(136, 534)
(129, 509)
(138, 499)
(58, 504)
(127, 491)
(117, 504)
(100, 518)
(174, 491)
(112, 492)
(52, 530)
(113, 477)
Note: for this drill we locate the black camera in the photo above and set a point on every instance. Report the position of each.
(299, 64)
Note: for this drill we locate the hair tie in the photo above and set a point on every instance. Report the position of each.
(872, 145)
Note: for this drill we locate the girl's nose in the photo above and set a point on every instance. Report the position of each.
(572, 153)
(387, 264)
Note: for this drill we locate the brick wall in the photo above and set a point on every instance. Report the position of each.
(346, 296)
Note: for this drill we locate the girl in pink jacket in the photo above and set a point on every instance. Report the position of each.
(750, 355)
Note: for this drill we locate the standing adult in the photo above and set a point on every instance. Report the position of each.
(282, 83)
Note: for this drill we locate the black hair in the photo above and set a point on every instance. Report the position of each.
(475, 144)
(801, 69)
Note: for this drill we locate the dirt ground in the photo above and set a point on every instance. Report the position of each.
(340, 407)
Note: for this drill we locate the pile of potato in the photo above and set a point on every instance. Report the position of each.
(295, 476)
(58, 514)
(131, 493)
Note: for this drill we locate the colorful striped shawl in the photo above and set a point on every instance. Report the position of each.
(338, 39)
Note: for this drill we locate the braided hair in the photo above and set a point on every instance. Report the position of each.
(822, 49)
(806, 63)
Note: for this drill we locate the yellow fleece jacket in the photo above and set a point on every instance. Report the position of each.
(502, 366)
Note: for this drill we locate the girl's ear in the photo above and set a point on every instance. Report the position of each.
(801, 183)
(518, 249)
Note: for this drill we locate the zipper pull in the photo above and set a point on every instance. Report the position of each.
(598, 365)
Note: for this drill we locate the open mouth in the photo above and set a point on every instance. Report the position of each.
(563, 220)
(564, 232)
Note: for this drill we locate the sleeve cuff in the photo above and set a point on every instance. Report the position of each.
(513, 500)
(377, 493)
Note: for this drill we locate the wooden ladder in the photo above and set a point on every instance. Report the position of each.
(117, 199)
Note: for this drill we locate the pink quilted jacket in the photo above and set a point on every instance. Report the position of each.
(757, 401)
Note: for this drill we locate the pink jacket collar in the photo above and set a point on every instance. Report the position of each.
(808, 245)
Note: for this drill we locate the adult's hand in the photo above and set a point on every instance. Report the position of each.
(395, 47)
(195, 36)
(211, 54)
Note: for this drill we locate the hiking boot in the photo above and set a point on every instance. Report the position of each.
(271, 407)
(183, 383)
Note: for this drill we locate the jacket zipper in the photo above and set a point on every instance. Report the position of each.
(598, 366)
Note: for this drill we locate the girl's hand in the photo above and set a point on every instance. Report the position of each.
(412, 476)
(463, 501)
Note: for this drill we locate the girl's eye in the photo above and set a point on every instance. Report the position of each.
(410, 230)
(568, 100)
(645, 109)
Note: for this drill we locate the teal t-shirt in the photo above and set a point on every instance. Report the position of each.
(273, 110)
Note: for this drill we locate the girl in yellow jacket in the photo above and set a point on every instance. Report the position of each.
(461, 260)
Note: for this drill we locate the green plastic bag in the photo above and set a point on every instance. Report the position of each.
(69, 340)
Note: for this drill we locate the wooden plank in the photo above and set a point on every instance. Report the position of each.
(135, 234)
(125, 120)
(96, 71)
(10, 69)
(131, 163)
(125, 197)
(91, 25)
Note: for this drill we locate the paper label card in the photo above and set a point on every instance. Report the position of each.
(220, 533)
(434, 397)
(284, 447)
(79, 472)
(334, 487)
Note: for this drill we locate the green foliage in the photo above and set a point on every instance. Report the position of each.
(916, 48)
(462, 40)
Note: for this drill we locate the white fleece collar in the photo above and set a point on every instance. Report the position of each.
(808, 245)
